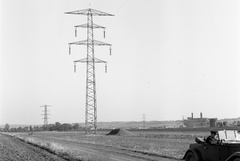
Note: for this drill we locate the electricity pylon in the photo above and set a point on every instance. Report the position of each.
(90, 60)
(45, 114)
(144, 121)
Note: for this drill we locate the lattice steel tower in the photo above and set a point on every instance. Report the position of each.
(45, 114)
(91, 101)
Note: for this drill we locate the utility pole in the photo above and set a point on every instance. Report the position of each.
(90, 60)
(45, 114)
(144, 121)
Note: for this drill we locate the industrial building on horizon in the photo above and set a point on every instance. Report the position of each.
(192, 122)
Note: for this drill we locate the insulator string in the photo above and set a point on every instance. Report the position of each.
(69, 49)
(75, 32)
(105, 68)
(75, 68)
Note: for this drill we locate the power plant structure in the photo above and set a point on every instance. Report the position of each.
(90, 60)
(199, 122)
(45, 114)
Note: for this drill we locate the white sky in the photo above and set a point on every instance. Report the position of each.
(169, 58)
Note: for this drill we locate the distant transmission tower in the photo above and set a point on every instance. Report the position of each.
(144, 121)
(90, 60)
(45, 114)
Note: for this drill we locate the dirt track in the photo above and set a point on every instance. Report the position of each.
(12, 149)
(105, 153)
(113, 154)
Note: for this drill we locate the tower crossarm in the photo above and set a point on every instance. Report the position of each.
(91, 43)
(89, 11)
(95, 26)
(45, 105)
(95, 60)
(46, 111)
(94, 42)
(99, 43)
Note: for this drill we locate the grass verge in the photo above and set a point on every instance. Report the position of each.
(51, 147)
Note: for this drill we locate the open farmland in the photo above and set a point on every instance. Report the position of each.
(15, 150)
(142, 145)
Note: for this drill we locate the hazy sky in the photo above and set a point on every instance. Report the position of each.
(169, 58)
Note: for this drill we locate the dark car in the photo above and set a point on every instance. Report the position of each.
(222, 145)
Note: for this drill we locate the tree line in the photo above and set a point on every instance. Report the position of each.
(50, 127)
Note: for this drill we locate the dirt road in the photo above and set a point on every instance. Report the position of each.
(12, 149)
(112, 154)
(104, 152)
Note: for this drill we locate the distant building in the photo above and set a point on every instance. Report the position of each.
(192, 122)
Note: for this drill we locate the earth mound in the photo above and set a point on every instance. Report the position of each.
(121, 132)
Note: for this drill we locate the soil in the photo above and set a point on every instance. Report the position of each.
(121, 132)
(12, 149)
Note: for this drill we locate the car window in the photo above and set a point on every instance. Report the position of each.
(238, 135)
(222, 135)
(231, 135)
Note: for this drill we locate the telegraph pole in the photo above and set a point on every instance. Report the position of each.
(144, 121)
(90, 60)
(45, 114)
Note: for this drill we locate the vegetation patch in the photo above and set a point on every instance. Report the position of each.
(51, 147)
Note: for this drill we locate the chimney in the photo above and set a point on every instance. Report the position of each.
(201, 115)
(192, 115)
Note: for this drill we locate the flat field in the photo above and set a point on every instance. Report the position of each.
(142, 145)
(12, 149)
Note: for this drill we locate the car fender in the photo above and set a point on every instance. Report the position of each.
(233, 156)
(195, 152)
